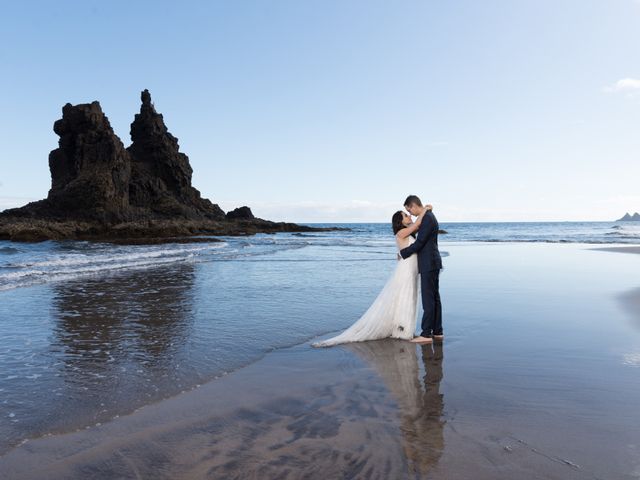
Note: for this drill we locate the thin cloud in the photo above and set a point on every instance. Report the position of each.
(624, 85)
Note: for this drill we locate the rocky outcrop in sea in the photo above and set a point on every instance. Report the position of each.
(630, 218)
(101, 190)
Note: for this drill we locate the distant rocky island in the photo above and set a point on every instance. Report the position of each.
(630, 218)
(101, 190)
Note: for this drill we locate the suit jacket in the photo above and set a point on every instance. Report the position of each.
(426, 245)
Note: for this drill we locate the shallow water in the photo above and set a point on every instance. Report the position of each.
(533, 330)
(79, 350)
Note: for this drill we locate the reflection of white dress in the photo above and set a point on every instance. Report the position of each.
(393, 312)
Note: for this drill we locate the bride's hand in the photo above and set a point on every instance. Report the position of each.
(429, 207)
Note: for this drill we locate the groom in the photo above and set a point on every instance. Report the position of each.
(429, 266)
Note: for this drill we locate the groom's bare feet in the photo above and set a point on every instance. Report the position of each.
(421, 340)
(438, 337)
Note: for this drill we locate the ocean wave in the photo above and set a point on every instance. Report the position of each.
(109, 259)
(72, 260)
(23, 278)
(624, 234)
(52, 261)
(282, 242)
(593, 241)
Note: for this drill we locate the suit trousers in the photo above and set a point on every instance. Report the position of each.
(432, 317)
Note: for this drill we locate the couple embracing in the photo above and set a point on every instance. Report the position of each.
(393, 313)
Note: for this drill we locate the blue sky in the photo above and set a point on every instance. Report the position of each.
(336, 110)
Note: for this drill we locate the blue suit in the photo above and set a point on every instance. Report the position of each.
(429, 266)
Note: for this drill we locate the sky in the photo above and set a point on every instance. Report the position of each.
(336, 110)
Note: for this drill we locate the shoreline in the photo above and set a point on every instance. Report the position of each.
(620, 249)
(84, 426)
(366, 410)
(283, 422)
(363, 410)
(21, 229)
(482, 406)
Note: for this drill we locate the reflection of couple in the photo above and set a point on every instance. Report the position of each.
(420, 404)
(393, 312)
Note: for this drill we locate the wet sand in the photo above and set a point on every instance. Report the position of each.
(629, 300)
(630, 249)
(369, 410)
(537, 379)
(299, 413)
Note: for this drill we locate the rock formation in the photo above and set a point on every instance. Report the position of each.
(101, 190)
(90, 171)
(161, 175)
(630, 218)
(242, 213)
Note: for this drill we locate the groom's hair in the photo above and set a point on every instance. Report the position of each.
(412, 200)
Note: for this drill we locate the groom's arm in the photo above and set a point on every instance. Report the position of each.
(423, 235)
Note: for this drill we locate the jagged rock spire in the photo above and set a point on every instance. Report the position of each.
(94, 178)
(90, 171)
(161, 173)
(146, 98)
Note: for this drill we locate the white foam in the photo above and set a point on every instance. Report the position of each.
(84, 259)
(32, 277)
(631, 359)
(69, 266)
(74, 265)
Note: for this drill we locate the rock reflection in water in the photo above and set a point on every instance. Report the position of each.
(420, 403)
(146, 312)
(117, 340)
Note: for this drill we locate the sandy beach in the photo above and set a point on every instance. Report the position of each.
(525, 385)
(624, 249)
(370, 410)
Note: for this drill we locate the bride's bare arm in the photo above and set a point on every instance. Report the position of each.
(405, 232)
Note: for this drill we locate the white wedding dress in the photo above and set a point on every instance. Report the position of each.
(393, 312)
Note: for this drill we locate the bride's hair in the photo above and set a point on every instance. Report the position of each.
(396, 222)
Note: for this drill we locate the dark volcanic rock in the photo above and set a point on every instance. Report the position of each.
(140, 231)
(102, 191)
(161, 174)
(90, 171)
(243, 213)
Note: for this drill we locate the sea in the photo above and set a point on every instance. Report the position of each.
(24, 264)
(91, 331)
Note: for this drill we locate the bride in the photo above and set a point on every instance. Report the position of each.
(393, 312)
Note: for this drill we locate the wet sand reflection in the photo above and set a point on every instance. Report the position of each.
(359, 411)
(420, 403)
(116, 345)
